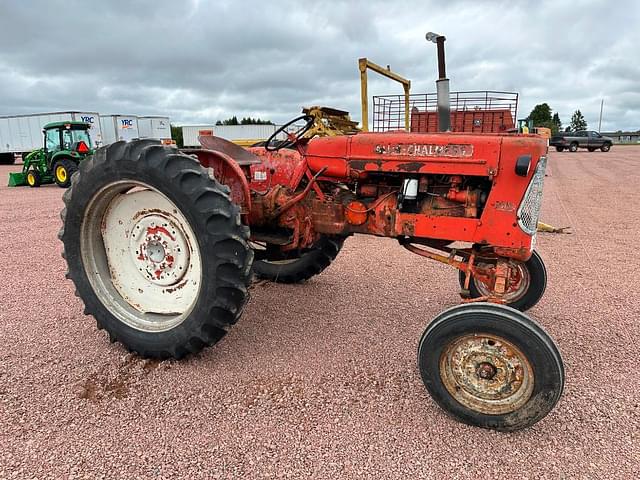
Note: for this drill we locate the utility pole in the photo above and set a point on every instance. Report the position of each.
(600, 122)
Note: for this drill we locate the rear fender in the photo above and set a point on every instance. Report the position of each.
(63, 155)
(227, 171)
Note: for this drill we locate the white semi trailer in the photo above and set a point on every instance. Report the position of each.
(154, 127)
(20, 134)
(119, 127)
(190, 134)
(241, 134)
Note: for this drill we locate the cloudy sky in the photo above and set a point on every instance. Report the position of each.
(199, 61)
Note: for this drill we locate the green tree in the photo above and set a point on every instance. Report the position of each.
(229, 121)
(541, 115)
(176, 134)
(578, 122)
(245, 121)
(556, 124)
(256, 121)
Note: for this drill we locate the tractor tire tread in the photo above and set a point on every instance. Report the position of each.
(70, 166)
(223, 298)
(517, 327)
(311, 263)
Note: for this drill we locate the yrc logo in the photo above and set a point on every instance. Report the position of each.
(126, 123)
(86, 119)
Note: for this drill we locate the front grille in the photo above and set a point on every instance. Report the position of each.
(530, 207)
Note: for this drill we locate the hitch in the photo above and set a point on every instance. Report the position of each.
(546, 228)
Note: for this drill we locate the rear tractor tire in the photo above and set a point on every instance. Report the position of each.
(298, 267)
(527, 288)
(155, 248)
(490, 366)
(62, 172)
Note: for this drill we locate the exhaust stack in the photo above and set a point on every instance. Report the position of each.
(442, 84)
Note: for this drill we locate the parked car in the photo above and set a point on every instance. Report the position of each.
(582, 139)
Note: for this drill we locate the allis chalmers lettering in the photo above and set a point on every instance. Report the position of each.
(426, 150)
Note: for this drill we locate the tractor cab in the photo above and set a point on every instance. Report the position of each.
(72, 137)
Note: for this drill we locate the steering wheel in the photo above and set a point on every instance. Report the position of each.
(272, 144)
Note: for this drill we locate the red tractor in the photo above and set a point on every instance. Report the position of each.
(162, 245)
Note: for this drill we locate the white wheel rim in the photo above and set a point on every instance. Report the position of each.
(141, 256)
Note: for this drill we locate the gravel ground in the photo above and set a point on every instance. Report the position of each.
(320, 380)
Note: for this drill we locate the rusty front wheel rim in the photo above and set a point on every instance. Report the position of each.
(486, 373)
(516, 289)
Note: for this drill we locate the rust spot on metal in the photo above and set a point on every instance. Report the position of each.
(486, 371)
(408, 228)
(410, 166)
(147, 211)
(487, 374)
(177, 287)
(362, 164)
(155, 230)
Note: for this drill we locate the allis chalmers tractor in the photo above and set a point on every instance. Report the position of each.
(162, 245)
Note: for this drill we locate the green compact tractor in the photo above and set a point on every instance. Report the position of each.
(65, 145)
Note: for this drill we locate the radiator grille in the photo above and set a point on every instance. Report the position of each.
(530, 207)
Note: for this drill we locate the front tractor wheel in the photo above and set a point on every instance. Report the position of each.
(33, 178)
(491, 366)
(155, 249)
(62, 172)
(297, 266)
(526, 285)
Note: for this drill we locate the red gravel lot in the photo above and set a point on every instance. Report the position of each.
(320, 380)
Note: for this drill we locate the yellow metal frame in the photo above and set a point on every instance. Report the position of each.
(330, 122)
(365, 64)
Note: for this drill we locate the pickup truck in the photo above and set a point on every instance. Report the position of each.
(582, 139)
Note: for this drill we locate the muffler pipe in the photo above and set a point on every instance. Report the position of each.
(442, 84)
(442, 89)
(444, 106)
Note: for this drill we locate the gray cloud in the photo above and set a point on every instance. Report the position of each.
(201, 61)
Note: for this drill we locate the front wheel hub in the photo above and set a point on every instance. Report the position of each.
(486, 371)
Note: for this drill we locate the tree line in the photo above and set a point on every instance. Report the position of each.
(245, 121)
(541, 116)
